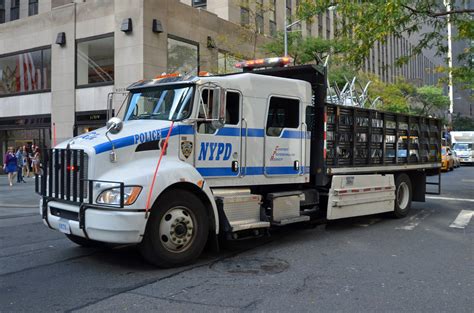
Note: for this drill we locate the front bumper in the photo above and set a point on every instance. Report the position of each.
(466, 160)
(100, 223)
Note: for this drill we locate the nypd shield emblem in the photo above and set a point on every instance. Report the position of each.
(186, 148)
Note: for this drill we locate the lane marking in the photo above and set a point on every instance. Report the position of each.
(463, 218)
(450, 199)
(415, 220)
(467, 180)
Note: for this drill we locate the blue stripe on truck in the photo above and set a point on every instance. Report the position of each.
(189, 130)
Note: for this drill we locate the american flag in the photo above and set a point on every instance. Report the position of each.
(28, 78)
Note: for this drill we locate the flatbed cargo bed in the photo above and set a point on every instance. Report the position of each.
(347, 139)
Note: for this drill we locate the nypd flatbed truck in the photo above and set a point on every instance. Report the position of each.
(194, 158)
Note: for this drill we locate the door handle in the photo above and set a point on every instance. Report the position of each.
(296, 165)
(235, 166)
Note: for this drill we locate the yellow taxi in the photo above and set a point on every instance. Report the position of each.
(447, 160)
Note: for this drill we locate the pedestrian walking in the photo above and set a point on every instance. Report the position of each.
(19, 164)
(26, 163)
(10, 164)
(37, 161)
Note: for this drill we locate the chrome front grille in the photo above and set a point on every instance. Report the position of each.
(64, 175)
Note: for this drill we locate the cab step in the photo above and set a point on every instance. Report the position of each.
(291, 220)
(241, 208)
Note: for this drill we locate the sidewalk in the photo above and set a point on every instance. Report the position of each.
(19, 195)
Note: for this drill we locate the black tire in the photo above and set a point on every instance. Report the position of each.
(157, 246)
(403, 195)
(86, 243)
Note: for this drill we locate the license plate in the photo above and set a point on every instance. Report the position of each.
(64, 227)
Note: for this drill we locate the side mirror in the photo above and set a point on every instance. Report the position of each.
(114, 125)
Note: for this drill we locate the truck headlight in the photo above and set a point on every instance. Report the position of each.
(112, 195)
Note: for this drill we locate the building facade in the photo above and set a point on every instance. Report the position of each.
(61, 59)
(59, 65)
(420, 70)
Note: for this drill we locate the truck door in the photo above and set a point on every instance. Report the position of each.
(283, 138)
(218, 151)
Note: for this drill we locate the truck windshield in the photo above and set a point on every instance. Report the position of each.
(171, 103)
(462, 146)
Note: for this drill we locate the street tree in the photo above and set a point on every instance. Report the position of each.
(429, 100)
(369, 22)
(308, 49)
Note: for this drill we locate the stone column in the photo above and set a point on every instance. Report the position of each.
(24, 8)
(129, 47)
(63, 73)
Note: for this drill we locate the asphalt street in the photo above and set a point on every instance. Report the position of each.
(422, 263)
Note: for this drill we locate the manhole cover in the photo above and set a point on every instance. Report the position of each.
(253, 266)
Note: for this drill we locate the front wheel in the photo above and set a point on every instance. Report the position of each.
(403, 195)
(176, 231)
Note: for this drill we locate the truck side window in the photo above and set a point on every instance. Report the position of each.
(232, 115)
(282, 113)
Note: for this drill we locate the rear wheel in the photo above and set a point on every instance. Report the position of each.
(176, 231)
(403, 195)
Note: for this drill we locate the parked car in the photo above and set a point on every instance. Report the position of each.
(447, 160)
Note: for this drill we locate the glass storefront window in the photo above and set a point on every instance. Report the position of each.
(182, 57)
(32, 7)
(25, 72)
(95, 61)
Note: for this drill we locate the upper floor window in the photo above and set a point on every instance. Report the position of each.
(244, 16)
(2, 11)
(288, 10)
(200, 3)
(32, 7)
(95, 61)
(25, 72)
(14, 10)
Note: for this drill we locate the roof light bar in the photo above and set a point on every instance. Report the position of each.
(268, 62)
(164, 75)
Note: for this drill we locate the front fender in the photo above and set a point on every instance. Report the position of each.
(171, 172)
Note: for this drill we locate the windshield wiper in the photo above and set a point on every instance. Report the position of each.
(143, 116)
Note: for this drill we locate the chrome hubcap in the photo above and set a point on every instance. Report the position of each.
(177, 229)
(403, 195)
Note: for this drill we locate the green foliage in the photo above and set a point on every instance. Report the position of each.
(368, 22)
(431, 100)
(393, 97)
(307, 50)
(276, 47)
(339, 74)
(463, 123)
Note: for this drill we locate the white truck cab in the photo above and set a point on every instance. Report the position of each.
(197, 157)
(463, 145)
